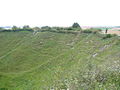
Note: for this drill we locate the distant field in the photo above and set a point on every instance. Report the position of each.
(59, 61)
(114, 31)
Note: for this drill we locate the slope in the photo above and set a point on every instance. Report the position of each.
(58, 61)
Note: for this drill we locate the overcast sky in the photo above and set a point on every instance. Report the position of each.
(59, 12)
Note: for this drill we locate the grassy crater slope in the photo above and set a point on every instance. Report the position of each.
(58, 61)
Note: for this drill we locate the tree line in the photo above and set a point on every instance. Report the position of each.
(15, 29)
(75, 26)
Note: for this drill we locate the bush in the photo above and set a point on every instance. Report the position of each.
(108, 36)
(92, 30)
(70, 28)
(45, 27)
(87, 31)
(96, 31)
(3, 89)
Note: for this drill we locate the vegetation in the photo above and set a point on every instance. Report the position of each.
(15, 28)
(92, 30)
(1, 28)
(76, 25)
(87, 31)
(108, 36)
(46, 28)
(59, 61)
(26, 27)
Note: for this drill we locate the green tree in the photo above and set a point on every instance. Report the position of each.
(26, 27)
(46, 28)
(76, 25)
(15, 28)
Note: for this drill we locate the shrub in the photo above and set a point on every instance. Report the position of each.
(70, 28)
(87, 31)
(108, 36)
(3, 89)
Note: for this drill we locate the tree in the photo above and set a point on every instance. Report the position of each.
(26, 27)
(76, 25)
(46, 27)
(14, 28)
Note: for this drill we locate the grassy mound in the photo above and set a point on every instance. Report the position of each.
(58, 61)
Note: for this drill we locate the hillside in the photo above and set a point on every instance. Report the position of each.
(59, 61)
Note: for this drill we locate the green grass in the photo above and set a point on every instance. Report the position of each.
(49, 60)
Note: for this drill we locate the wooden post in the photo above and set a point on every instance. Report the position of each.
(106, 30)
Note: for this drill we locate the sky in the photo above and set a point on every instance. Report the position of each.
(59, 12)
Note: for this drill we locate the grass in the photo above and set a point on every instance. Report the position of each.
(48, 60)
